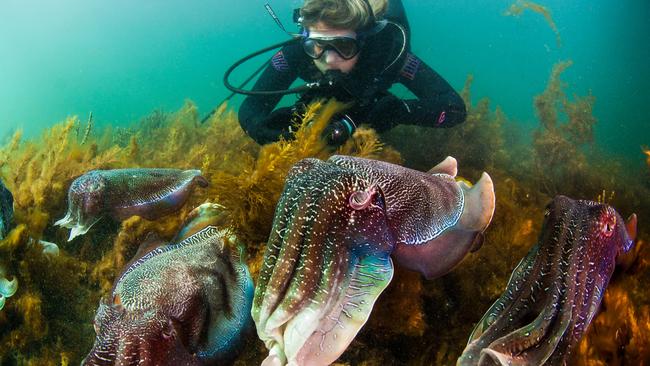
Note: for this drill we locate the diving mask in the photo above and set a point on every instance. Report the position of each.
(346, 47)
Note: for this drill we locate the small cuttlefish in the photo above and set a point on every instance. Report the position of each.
(122, 193)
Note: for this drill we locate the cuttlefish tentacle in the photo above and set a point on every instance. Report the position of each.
(555, 291)
(121, 193)
(519, 295)
(328, 256)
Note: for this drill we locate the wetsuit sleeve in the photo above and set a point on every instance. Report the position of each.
(438, 104)
(256, 115)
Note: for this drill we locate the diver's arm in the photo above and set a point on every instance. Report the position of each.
(256, 115)
(438, 104)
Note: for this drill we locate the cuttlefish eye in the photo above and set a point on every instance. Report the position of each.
(169, 331)
(607, 223)
(360, 199)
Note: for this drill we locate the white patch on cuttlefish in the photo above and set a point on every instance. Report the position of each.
(7, 288)
(76, 228)
(49, 249)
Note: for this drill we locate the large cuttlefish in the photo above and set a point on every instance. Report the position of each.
(555, 291)
(184, 303)
(121, 193)
(336, 226)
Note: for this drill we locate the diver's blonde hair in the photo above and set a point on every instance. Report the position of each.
(343, 14)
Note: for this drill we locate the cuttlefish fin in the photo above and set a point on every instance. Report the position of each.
(448, 166)
(479, 204)
(477, 243)
(439, 254)
(150, 242)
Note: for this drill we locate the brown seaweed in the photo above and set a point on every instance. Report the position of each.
(517, 8)
(433, 319)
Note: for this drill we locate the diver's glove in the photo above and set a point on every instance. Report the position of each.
(279, 123)
(386, 112)
(339, 130)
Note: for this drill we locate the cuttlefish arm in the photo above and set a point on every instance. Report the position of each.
(436, 220)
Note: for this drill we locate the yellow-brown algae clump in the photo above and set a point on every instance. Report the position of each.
(399, 310)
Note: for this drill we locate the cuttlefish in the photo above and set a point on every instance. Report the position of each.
(337, 227)
(6, 210)
(122, 193)
(555, 291)
(183, 303)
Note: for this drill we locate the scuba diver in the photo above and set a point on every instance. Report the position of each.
(353, 51)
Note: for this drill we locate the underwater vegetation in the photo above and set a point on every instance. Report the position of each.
(414, 322)
(518, 7)
(246, 179)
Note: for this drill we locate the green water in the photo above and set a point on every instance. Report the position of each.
(122, 59)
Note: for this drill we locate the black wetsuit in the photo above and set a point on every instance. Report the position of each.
(438, 105)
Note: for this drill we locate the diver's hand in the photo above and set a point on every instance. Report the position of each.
(339, 131)
(387, 112)
(277, 124)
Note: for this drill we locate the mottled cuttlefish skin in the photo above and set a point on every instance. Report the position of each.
(555, 291)
(184, 303)
(122, 193)
(336, 226)
(6, 210)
